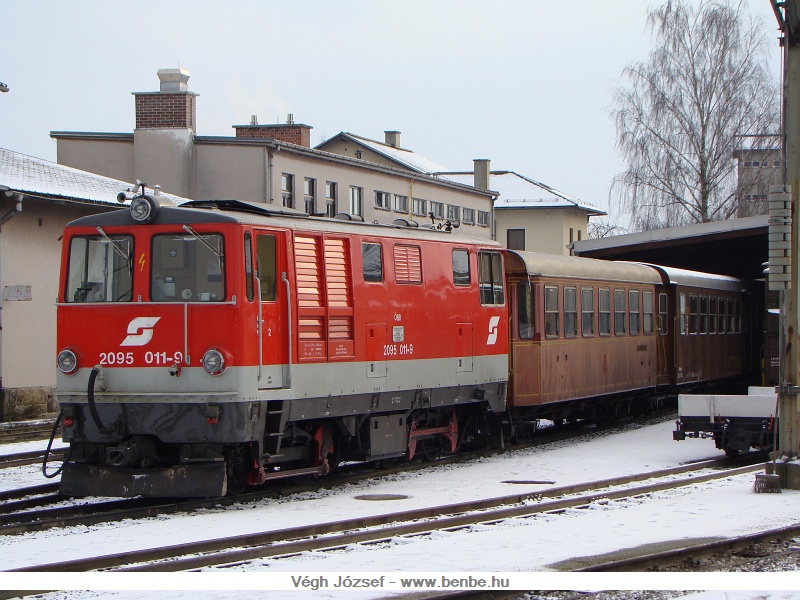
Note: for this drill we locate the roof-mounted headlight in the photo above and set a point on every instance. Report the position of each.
(144, 209)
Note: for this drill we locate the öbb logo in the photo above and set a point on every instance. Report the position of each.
(140, 331)
(492, 339)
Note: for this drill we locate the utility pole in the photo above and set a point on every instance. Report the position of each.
(788, 15)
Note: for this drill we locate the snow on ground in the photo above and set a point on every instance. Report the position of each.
(527, 547)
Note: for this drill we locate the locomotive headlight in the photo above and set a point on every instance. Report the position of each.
(213, 361)
(67, 362)
(144, 209)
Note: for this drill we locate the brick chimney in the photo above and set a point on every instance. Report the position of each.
(392, 138)
(290, 132)
(481, 173)
(172, 107)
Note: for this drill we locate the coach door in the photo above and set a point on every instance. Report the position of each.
(270, 270)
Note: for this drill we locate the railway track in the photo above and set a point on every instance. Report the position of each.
(26, 431)
(382, 528)
(34, 457)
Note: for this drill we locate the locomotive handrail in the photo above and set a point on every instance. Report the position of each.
(285, 279)
(259, 327)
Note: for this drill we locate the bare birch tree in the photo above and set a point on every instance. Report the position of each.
(705, 82)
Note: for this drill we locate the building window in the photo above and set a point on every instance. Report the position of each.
(437, 209)
(309, 195)
(382, 200)
(469, 216)
(619, 312)
(461, 267)
(587, 312)
(453, 212)
(419, 207)
(287, 189)
(570, 311)
(515, 239)
(551, 311)
(330, 199)
(483, 218)
(401, 203)
(372, 262)
(356, 200)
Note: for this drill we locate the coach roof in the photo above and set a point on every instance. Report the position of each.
(570, 267)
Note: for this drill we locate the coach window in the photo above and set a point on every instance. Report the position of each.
(525, 310)
(248, 266)
(551, 311)
(663, 323)
(722, 319)
(731, 316)
(372, 262)
(100, 269)
(188, 268)
(605, 312)
(461, 267)
(619, 312)
(703, 327)
(570, 312)
(647, 317)
(693, 306)
(266, 267)
(490, 277)
(712, 315)
(587, 312)
(737, 320)
(633, 309)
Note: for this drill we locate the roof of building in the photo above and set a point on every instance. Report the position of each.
(47, 180)
(518, 191)
(407, 158)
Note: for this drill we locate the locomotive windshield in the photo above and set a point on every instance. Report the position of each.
(100, 269)
(188, 268)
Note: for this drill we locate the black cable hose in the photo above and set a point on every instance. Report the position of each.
(92, 407)
(50, 445)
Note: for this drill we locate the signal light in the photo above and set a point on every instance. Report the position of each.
(67, 362)
(213, 362)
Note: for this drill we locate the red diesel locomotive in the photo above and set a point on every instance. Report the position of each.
(214, 345)
(219, 344)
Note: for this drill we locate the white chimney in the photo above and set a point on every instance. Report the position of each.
(481, 173)
(392, 138)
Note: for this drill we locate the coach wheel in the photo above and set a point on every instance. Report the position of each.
(731, 452)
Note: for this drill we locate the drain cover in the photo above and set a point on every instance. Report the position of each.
(374, 497)
(529, 482)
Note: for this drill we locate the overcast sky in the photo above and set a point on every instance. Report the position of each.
(525, 83)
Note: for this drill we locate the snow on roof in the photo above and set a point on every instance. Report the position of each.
(518, 191)
(48, 180)
(407, 158)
